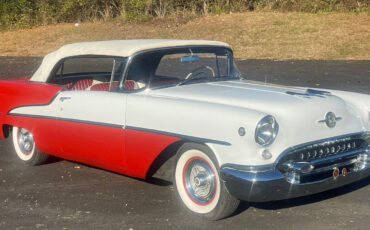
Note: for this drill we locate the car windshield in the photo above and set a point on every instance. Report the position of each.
(181, 66)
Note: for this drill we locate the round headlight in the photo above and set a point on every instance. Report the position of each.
(266, 131)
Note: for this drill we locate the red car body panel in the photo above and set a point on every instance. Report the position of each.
(20, 92)
(93, 144)
(142, 148)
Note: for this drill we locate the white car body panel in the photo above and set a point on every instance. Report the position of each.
(88, 106)
(217, 110)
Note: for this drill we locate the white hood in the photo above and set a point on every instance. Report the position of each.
(296, 110)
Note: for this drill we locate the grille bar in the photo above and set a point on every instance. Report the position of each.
(325, 149)
(315, 161)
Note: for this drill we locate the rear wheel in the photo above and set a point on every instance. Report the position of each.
(25, 147)
(198, 183)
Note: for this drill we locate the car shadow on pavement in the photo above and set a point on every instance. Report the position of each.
(52, 160)
(288, 203)
(158, 181)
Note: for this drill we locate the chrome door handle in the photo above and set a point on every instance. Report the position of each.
(64, 98)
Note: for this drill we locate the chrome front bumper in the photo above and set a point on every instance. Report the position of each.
(267, 183)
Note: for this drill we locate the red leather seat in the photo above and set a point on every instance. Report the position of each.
(68, 85)
(82, 84)
(129, 85)
(104, 86)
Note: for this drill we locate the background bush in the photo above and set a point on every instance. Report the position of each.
(26, 13)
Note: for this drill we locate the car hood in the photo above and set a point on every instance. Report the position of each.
(267, 98)
(297, 110)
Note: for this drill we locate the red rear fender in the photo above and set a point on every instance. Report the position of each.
(15, 93)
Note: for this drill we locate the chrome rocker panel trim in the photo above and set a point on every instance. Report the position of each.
(267, 183)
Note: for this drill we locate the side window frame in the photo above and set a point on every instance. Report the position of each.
(129, 62)
(60, 65)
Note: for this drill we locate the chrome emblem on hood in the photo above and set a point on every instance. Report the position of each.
(330, 120)
(310, 93)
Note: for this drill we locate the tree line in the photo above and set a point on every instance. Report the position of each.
(27, 13)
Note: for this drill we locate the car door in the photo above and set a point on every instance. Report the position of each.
(91, 127)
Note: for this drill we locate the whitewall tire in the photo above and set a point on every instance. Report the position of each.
(25, 147)
(198, 183)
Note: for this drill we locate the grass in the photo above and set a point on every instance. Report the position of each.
(252, 35)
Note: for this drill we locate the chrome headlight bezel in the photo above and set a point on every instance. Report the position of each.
(263, 123)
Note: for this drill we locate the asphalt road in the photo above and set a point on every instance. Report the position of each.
(68, 195)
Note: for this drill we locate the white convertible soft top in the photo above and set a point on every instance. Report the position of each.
(122, 48)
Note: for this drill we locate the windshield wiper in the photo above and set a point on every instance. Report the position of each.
(186, 81)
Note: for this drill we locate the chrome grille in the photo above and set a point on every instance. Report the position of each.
(324, 149)
(315, 161)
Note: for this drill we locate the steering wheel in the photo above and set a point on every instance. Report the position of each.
(194, 73)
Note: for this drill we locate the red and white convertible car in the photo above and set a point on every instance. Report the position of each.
(141, 107)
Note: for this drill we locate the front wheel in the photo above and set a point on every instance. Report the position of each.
(25, 147)
(198, 183)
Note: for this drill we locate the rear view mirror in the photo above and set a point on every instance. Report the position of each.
(189, 58)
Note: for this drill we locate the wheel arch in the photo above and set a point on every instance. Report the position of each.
(8, 126)
(163, 165)
(5, 131)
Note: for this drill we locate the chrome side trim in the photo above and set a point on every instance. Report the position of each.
(181, 136)
(247, 168)
(68, 119)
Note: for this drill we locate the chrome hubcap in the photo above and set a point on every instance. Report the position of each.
(200, 181)
(25, 141)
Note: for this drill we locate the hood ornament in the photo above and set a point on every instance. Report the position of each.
(330, 119)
